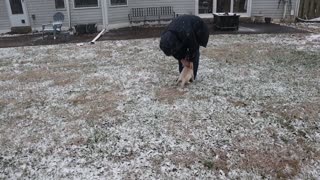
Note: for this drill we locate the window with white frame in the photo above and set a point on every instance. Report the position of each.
(85, 3)
(119, 2)
(59, 4)
(222, 6)
(205, 6)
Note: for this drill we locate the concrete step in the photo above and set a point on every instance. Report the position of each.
(21, 30)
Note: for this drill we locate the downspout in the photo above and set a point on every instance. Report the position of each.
(104, 7)
(285, 9)
(297, 8)
(69, 13)
(196, 5)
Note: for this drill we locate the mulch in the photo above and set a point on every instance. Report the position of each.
(140, 32)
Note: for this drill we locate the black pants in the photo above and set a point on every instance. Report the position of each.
(195, 64)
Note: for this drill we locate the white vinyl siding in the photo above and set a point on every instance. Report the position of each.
(120, 14)
(44, 11)
(4, 18)
(86, 15)
(270, 8)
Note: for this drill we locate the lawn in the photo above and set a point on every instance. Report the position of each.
(113, 111)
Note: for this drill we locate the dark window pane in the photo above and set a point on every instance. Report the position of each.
(85, 3)
(16, 6)
(223, 6)
(118, 2)
(205, 6)
(59, 4)
(240, 6)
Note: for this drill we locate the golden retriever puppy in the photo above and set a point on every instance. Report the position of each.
(186, 75)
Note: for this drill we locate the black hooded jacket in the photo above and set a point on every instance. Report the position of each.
(183, 36)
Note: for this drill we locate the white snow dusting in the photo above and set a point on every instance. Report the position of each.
(113, 110)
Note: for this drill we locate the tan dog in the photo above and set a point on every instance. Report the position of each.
(186, 75)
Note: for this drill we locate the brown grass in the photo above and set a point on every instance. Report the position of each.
(169, 94)
(6, 76)
(97, 104)
(235, 53)
(184, 158)
(41, 75)
(306, 111)
(275, 163)
(237, 103)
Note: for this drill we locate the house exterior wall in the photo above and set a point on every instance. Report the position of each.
(270, 8)
(4, 18)
(85, 15)
(43, 11)
(120, 14)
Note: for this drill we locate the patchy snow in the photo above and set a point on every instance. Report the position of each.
(14, 35)
(311, 27)
(315, 19)
(314, 38)
(113, 110)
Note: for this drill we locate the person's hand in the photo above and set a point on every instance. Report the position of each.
(186, 63)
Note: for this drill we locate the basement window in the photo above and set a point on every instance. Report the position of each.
(59, 4)
(85, 3)
(118, 2)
